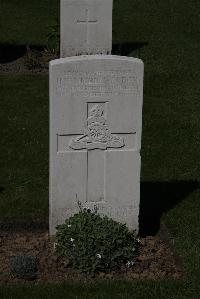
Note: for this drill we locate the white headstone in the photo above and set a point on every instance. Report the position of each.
(86, 27)
(95, 137)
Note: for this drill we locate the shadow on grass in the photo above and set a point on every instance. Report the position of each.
(21, 226)
(2, 189)
(156, 198)
(159, 197)
(9, 53)
(125, 49)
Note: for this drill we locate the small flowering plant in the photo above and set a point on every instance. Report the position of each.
(96, 244)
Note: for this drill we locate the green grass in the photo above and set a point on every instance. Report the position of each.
(102, 290)
(170, 149)
(24, 150)
(27, 22)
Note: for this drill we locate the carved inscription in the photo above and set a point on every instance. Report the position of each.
(100, 83)
(97, 135)
(90, 50)
(87, 22)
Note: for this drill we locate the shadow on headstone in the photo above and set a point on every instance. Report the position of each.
(159, 197)
(124, 49)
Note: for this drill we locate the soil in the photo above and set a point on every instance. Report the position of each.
(156, 260)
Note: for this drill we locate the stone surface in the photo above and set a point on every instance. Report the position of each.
(86, 27)
(95, 137)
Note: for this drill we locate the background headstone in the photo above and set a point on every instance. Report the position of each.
(96, 123)
(86, 27)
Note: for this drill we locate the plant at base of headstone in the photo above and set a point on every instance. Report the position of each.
(95, 244)
(32, 59)
(53, 38)
(24, 266)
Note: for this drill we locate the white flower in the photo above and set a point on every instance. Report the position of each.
(69, 225)
(54, 245)
(98, 255)
(130, 264)
(138, 240)
(72, 240)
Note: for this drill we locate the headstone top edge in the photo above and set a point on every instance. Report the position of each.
(94, 57)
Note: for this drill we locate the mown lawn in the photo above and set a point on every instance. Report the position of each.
(26, 22)
(165, 34)
(24, 150)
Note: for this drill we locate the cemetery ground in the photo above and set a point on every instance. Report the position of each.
(165, 36)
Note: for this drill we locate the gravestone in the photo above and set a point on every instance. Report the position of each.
(95, 137)
(86, 27)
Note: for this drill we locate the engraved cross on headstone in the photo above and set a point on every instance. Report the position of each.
(87, 22)
(97, 140)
